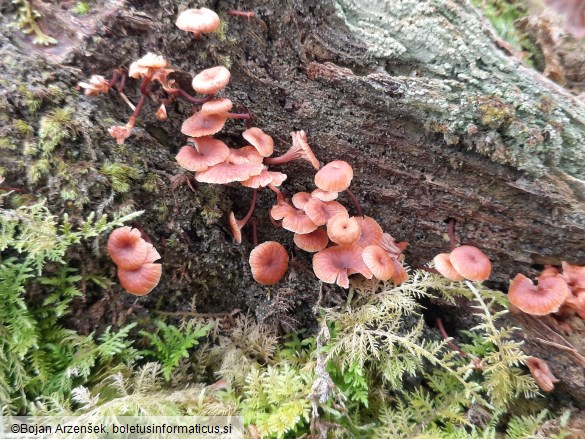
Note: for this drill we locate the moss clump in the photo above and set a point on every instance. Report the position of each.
(55, 128)
(495, 113)
(26, 20)
(120, 176)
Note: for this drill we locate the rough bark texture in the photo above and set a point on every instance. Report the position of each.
(436, 120)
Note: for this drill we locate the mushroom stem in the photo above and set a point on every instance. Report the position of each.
(254, 223)
(14, 189)
(115, 78)
(451, 344)
(241, 223)
(452, 240)
(182, 93)
(274, 222)
(239, 116)
(134, 116)
(355, 201)
(122, 83)
(246, 14)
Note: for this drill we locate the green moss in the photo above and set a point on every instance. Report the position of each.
(81, 8)
(55, 128)
(26, 21)
(22, 127)
(495, 113)
(37, 169)
(32, 101)
(5, 143)
(153, 183)
(120, 176)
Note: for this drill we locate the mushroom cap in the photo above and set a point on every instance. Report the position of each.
(545, 298)
(335, 176)
(265, 178)
(97, 84)
(244, 155)
(471, 263)
(120, 132)
(259, 140)
(216, 106)
(322, 211)
(299, 139)
(541, 373)
(146, 65)
(210, 81)
(372, 233)
(324, 195)
(393, 248)
(335, 264)
(378, 261)
(235, 228)
(574, 275)
(224, 173)
(312, 242)
(269, 262)
(444, 266)
(200, 125)
(198, 21)
(209, 152)
(400, 275)
(300, 199)
(141, 281)
(152, 255)
(297, 221)
(127, 248)
(281, 209)
(343, 229)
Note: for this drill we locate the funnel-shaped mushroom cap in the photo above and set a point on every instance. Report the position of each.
(471, 263)
(198, 21)
(209, 152)
(322, 211)
(378, 261)
(97, 84)
(312, 242)
(210, 81)
(200, 125)
(324, 195)
(216, 106)
(372, 233)
(300, 199)
(265, 178)
(545, 298)
(299, 139)
(244, 155)
(335, 176)
(141, 281)
(127, 248)
(259, 140)
(297, 221)
(335, 264)
(574, 275)
(224, 173)
(342, 229)
(269, 262)
(444, 266)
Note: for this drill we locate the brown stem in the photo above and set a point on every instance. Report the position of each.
(452, 240)
(121, 84)
(274, 222)
(446, 336)
(13, 189)
(115, 78)
(182, 93)
(238, 13)
(134, 116)
(245, 220)
(355, 201)
(239, 116)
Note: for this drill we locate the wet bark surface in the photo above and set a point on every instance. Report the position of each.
(303, 65)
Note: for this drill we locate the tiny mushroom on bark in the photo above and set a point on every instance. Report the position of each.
(541, 373)
(471, 263)
(312, 242)
(259, 140)
(335, 264)
(541, 299)
(207, 152)
(322, 211)
(300, 149)
(265, 178)
(141, 281)
(444, 266)
(198, 21)
(224, 173)
(379, 262)
(324, 195)
(210, 81)
(335, 176)
(372, 233)
(97, 84)
(343, 229)
(127, 248)
(268, 262)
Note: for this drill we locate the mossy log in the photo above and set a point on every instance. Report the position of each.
(436, 119)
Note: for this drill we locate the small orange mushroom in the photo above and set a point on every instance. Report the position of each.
(198, 21)
(224, 173)
(343, 229)
(312, 242)
(379, 262)
(259, 140)
(539, 300)
(127, 248)
(335, 264)
(268, 262)
(212, 80)
(141, 281)
(444, 266)
(471, 263)
(335, 176)
(207, 152)
(300, 149)
(541, 373)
